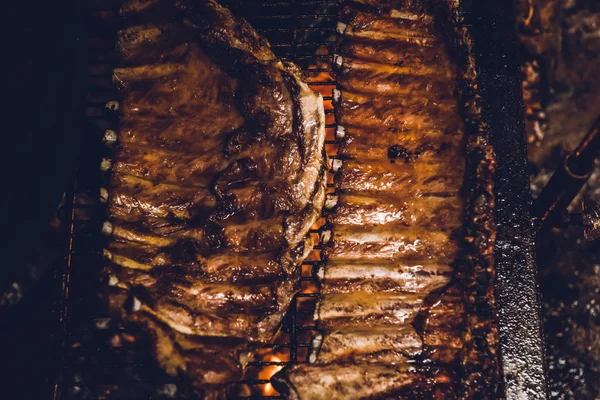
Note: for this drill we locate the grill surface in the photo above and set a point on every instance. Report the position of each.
(99, 358)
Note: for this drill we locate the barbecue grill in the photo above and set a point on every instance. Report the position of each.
(97, 358)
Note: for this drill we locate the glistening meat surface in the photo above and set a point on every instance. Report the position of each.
(217, 178)
(392, 316)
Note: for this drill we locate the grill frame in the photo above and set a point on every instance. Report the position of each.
(517, 294)
(498, 58)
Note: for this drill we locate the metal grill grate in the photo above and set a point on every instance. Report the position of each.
(100, 359)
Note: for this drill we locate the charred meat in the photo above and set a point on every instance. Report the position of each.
(217, 178)
(392, 316)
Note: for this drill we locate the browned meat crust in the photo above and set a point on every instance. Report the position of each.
(407, 306)
(218, 176)
(480, 357)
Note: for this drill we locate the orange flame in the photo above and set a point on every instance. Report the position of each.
(268, 372)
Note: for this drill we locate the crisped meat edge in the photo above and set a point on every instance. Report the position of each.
(480, 357)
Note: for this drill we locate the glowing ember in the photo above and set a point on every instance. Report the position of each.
(268, 372)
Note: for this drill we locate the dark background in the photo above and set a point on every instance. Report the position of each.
(41, 58)
(560, 42)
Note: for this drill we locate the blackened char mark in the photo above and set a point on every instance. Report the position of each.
(243, 138)
(214, 238)
(236, 174)
(396, 151)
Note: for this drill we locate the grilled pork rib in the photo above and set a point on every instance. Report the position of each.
(218, 177)
(391, 316)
